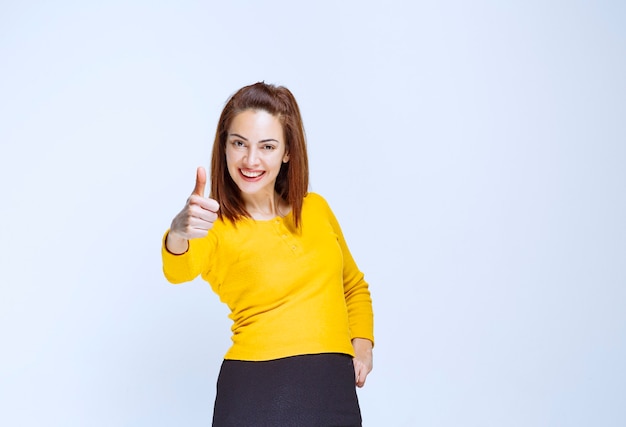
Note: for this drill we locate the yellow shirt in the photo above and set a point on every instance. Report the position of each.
(289, 292)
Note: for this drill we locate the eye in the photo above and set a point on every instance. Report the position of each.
(269, 147)
(238, 144)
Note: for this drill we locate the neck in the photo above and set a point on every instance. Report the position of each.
(266, 206)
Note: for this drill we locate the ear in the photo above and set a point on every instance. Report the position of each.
(286, 158)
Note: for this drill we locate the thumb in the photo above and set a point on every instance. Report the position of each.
(200, 182)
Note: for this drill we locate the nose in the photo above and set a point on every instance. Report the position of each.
(252, 156)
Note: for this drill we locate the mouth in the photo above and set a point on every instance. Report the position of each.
(250, 174)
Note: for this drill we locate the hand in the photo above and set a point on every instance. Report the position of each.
(363, 359)
(196, 218)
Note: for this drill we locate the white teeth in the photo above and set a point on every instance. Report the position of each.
(251, 174)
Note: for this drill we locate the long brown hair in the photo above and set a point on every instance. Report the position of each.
(292, 181)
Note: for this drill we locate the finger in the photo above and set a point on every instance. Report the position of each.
(205, 203)
(360, 373)
(199, 228)
(356, 372)
(361, 379)
(210, 205)
(200, 213)
(200, 182)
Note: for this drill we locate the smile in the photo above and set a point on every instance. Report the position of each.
(251, 174)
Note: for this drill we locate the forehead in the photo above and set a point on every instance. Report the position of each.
(256, 123)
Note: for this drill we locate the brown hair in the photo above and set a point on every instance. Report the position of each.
(292, 181)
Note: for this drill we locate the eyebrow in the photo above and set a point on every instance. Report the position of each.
(236, 135)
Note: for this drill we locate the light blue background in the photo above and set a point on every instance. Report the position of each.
(474, 152)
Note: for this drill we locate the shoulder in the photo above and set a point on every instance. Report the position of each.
(315, 201)
(316, 206)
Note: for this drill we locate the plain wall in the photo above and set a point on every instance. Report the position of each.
(474, 153)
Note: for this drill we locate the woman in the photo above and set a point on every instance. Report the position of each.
(274, 253)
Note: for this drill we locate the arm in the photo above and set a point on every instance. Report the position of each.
(191, 224)
(360, 312)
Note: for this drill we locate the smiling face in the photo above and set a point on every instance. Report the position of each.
(255, 151)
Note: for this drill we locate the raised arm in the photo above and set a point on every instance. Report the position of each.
(194, 220)
(185, 249)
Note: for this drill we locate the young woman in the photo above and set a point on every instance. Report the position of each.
(275, 254)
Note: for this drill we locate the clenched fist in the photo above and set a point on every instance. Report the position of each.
(195, 220)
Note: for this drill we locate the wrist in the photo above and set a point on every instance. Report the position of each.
(362, 344)
(175, 244)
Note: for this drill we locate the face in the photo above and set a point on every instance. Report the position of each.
(255, 151)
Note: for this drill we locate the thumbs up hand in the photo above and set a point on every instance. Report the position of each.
(195, 219)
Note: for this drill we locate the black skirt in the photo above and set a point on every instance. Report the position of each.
(316, 390)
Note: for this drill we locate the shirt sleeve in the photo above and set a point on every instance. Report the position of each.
(356, 290)
(186, 267)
